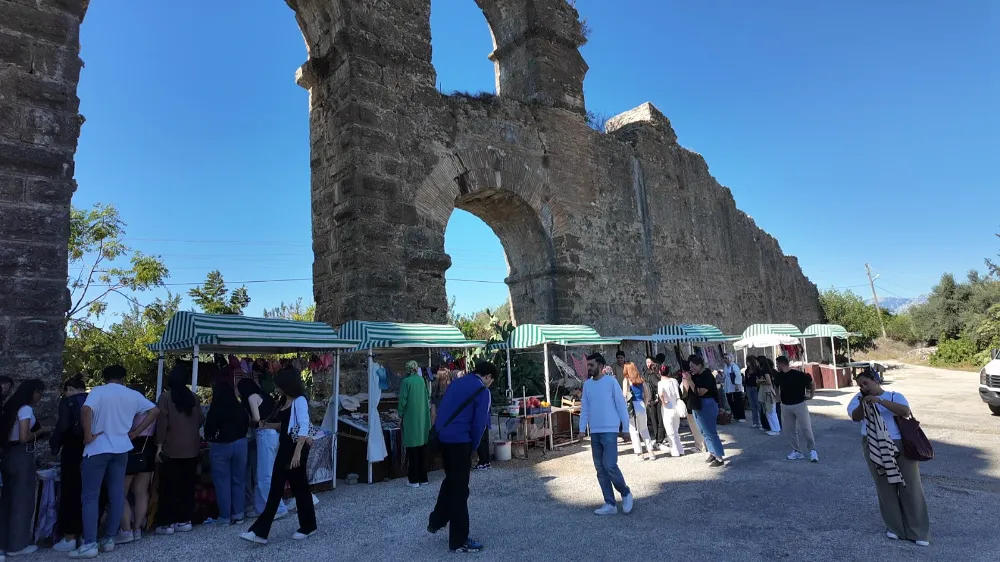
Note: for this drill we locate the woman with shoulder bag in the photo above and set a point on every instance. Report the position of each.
(138, 477)
(638, 394)
(178, 451)
(226, 427)
(897, 478)
(673, 409)
(19, 431)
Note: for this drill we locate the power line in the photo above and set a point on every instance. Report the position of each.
(257, 281)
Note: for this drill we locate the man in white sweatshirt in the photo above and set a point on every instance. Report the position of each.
(604, 410)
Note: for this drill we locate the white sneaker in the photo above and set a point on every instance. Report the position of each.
(124, 537)
(165, 530)
(741, 421)
(773, 433)
(85, 551)
(108, 545)
(252, 537)
(302, 536)
(30, 549)
(65, 546)
(921, 543)
(892, 535)
(413, 484)
(136, 534)
(813, 456)
(607, 509)
(183, 527)
(627, 503)
(795, 456)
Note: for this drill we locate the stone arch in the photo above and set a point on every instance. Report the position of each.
(507, 192)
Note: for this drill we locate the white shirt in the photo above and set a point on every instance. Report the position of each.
(299, 418)
(888, 417)
(25, 413)
(115, 407)
(669, 391)
(728, 385)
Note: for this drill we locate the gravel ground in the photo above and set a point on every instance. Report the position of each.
(761, 507)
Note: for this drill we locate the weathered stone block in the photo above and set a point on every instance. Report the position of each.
(33, 335)
(12, 188)
(51, 192)
(31, 223)
(27, 259)
(27, 297)
(20, 158)
(54, 27)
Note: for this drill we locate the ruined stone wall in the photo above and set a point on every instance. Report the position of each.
(624, 230)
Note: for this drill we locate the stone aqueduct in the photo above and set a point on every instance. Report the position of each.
(624, 230)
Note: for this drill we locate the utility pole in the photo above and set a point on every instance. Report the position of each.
(878, 309)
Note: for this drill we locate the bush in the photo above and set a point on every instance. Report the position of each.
(954, 352)
(900, 328)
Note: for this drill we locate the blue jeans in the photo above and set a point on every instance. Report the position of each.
(604, 447)
(752, 392)
(229, 471)
(267, 451)
(108, 468)
(707, 418)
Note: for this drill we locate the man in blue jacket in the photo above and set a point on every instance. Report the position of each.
(461, 421)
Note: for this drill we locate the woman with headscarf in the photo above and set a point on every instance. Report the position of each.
(178, 448)
(897, 479)
(637, 397)
(415, 414)
(767, 394)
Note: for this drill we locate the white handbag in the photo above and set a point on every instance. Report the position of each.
(681, 408)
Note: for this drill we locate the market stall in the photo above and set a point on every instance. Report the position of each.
(770, 336)
(390, 335)
(673, 335)
(527, 336)
(197, 333)
(838, 377)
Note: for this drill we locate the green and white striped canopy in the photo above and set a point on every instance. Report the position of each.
(533, 335)
(220, 333)
(691, 333)
(827, 331)
(380, 335)
(772, 329)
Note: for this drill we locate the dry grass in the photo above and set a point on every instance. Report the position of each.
(892, 350)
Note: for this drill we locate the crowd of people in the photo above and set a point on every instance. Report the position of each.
(772, 390)
(110, 439)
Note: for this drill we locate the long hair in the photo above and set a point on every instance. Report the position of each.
(753, 367)
(180, 394)
(23, 396)
(765, 364)
(290, 382)
(441, 382)
(632, 373)
(247, 388)
(224, 396)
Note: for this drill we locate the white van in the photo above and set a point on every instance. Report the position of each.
(989, 383)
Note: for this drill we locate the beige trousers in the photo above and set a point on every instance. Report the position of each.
(795, 419)
(903, 508)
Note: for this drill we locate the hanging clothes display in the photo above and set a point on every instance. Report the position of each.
(579, 364)
(376, 441)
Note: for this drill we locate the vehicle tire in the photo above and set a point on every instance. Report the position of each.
(995, 410)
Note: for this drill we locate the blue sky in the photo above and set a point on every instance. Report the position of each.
(852, 131)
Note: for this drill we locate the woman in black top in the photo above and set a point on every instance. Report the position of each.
(750, 383)
(226, 427)
(67, 442)
(701, 385)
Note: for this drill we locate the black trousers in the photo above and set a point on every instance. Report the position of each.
(70, 518)
(176, 491)
(416, 458)
(736, 405)
(654, 422)
(484, 448)
(452, 508)
(297, 480)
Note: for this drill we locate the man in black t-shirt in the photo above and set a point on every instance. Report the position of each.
(794, 388)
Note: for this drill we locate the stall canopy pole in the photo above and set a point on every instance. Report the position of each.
(194, 371)
(805, 348)
(833, 352)
(510, 379)
(549, 416)
(370, 352)
(430, 365)
(849, 358)
(159, 376)
(336, 412)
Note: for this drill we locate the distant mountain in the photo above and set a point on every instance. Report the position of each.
(897, 305)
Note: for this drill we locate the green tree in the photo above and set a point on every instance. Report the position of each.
(852, 312)
(96, 249)
(89, 349)
(213, 298)
(993, 266)
(296, 311)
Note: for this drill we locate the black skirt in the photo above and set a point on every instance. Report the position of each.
(142, 457)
